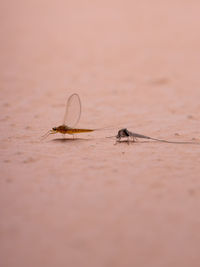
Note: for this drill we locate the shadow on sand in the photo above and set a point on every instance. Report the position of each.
(69, 140)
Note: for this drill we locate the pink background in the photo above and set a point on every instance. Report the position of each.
(88, 202)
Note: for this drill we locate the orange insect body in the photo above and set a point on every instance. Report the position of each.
(71, 118)
(64, 129)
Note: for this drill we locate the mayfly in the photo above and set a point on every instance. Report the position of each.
(124, 133)
(71, 118)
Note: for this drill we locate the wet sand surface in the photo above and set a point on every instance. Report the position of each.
(88, 202)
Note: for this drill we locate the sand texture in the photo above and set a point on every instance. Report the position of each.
(88, 202)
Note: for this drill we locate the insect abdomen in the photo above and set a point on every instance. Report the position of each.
(72, 131)
(64, 129)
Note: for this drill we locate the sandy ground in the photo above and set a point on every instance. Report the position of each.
(88, 202)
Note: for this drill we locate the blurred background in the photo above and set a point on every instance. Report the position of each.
(112, 51)
(130, 61)
(115, 51)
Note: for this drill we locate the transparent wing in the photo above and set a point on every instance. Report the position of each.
(73, 111)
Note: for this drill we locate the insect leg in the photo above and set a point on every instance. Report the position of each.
(47, 134)
(117, 140)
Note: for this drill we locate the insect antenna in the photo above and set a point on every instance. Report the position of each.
(46, 135)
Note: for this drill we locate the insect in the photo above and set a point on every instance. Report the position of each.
(71, 118)
(131, 135)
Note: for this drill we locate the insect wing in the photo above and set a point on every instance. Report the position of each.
(73, 111)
